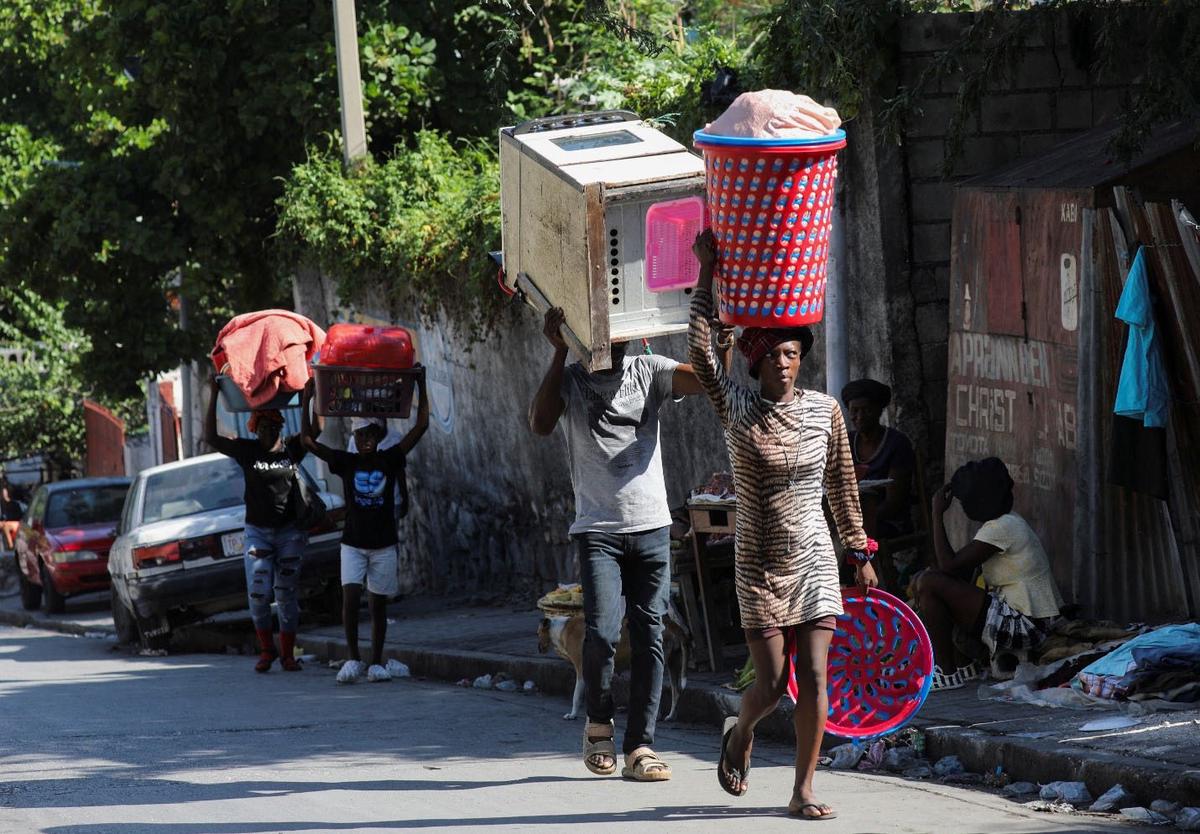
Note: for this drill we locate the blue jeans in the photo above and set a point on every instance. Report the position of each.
(638, 566)
(273, 560)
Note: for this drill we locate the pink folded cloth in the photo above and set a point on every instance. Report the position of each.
(775, 114)
(267, 352)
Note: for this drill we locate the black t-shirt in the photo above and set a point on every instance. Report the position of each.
(272, 491)
(370, 483)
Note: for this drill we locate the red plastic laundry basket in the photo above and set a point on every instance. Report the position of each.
(770, 205)
(880, 666)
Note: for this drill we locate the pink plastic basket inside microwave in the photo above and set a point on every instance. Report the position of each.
(671, 228)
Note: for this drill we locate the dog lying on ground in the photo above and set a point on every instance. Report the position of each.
(565, 636)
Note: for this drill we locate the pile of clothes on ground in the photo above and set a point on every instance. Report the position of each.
(1095, 663)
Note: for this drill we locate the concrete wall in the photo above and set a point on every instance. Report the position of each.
(491, 502)
(902, 199)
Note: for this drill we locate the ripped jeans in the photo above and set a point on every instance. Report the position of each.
(273, 559)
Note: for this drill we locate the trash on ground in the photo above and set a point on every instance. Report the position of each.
(1166, 808)
(153, 652)
(530, 686)
(948, 766)
(873, 756)
(1188, 819)
(482, 682)
(1020, 789)
(1110, 722)
(1114, 799)
(508, 686)
(899, 759)
(1072, 793)
(1050, 807)
(846, 756)
(964, 778)
(1145, 815)
(398, 669)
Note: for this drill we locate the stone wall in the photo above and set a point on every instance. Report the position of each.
(1045, 99)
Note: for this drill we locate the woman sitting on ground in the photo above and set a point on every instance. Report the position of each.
(880, 453)
(1021, 601)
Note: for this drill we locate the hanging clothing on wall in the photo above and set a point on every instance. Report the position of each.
(1139, 436)
(1142, 390)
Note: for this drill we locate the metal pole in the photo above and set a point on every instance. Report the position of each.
(185, 384)
(345, 37)
(837, 348)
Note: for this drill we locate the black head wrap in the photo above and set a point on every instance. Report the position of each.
(984, 488)
(867, 389)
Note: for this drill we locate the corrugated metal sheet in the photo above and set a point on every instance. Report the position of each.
(1128, 562)
(1038, 262)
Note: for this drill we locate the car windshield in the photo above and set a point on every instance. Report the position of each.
(212, 485)
(86, 505)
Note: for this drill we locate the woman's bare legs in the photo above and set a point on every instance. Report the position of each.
(760, 700)
(812, 708)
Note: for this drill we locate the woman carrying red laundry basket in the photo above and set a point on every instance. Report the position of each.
(785, 445)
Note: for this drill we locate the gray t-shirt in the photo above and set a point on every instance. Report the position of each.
(611, 428)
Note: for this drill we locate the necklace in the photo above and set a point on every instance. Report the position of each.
(878, 449)
(792, 467)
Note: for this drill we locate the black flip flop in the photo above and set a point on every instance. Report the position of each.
(799, 812)
(724, 773)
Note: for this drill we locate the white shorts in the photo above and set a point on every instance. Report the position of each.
(380, 568)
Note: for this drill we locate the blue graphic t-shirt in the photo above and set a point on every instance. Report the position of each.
(370, 482)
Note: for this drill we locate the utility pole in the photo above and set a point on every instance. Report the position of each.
(345, 36)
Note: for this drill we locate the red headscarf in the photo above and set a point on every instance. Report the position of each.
(757, 342)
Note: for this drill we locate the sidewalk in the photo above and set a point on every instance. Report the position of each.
(439, 639)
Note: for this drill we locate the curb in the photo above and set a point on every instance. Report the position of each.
(21, 619)
(1045, 760)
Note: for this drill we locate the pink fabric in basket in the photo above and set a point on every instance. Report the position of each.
(775, 114)
(267, 352)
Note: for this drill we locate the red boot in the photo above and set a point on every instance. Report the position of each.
(266, 642)
(287, 652)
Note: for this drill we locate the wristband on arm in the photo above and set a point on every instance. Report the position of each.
(862, 557)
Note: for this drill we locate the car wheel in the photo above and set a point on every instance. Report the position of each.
(55, 602)
(31, 595)
(158, 641)
(123, 621)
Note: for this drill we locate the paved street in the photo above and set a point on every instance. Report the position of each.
(96, 740)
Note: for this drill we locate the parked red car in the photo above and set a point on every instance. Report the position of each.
(63, 541)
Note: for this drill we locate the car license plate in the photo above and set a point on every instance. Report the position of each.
(233, 544)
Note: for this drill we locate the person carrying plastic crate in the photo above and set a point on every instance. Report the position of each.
(369, 541)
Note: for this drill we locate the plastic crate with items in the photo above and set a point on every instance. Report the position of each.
(366, 371)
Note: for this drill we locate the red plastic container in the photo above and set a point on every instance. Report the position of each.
(880, 666)
(770, 206)
(368, 346)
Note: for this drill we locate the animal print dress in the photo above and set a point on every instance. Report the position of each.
(783, 456)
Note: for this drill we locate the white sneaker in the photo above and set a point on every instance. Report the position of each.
(943, 681)
(350, 672)
(398, 669)
(377, 673)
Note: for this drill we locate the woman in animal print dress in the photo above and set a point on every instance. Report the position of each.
(786, 446)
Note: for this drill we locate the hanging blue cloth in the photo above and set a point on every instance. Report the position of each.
(1142, 392)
